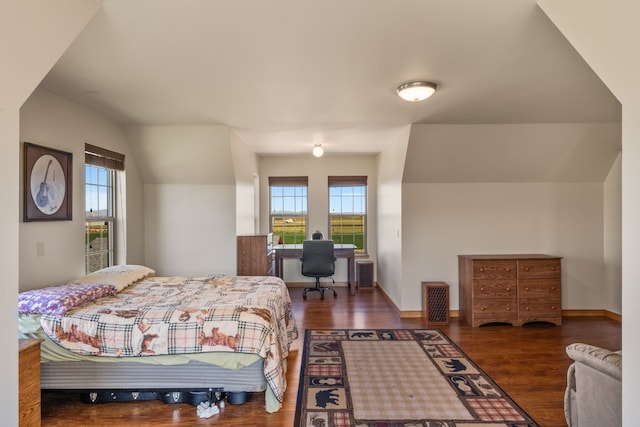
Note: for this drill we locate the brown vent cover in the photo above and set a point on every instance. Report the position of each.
(436, 302)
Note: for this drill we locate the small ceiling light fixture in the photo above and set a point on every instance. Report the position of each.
(416, 91)
(318, 151)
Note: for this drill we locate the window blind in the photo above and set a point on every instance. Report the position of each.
(347, 181)
(288, 181)
(98, 156)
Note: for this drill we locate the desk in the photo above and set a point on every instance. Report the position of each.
(341, 250)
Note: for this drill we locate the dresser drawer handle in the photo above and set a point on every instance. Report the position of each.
(481, 308)
(526, 308)
(481, 269)
(526, 269)
(508, 308)
(526, 289)
(553, 288)
(553, 268)
(481, 289)
(508, 289)
(507, 269)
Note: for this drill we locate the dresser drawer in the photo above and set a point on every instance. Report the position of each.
(532, 268)
(494, 270)
(501, 288)
(539, 288)
(498, 308)
(539, 308)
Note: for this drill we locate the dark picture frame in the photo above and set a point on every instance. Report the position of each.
(47, 183)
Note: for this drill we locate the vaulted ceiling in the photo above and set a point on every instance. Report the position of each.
(286, 74)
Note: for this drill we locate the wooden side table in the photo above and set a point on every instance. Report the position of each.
(29, 382)
(365, 274)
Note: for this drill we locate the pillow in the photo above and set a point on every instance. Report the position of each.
(119, 276)
(58, 300)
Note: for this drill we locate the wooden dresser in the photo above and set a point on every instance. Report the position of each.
(255, 255)
(29, 382)
(514, 289)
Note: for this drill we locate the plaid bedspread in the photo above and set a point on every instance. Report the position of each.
(180, 315)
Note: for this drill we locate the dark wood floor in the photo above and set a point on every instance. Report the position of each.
(528, 362)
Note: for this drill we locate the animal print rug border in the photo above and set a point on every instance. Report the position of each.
(459, 392)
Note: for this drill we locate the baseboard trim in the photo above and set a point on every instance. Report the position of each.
(410, 314)
(593, 313)
(389, 300)
(413, 314)
(613, 316)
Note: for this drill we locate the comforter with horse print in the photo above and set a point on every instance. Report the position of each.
(183, 315)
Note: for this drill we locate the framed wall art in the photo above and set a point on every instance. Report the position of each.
(47, 183)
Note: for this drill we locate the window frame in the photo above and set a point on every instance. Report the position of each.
(105, 162)
(303, 215)
(349, 181)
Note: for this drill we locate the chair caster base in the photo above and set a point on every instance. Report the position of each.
(321, 290)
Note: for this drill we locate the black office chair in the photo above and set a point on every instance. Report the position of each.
(318, 260)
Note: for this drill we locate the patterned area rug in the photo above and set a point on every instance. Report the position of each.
(396, 378)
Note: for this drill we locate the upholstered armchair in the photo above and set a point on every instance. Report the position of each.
(593, 397)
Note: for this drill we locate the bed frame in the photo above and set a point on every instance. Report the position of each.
(191, 383)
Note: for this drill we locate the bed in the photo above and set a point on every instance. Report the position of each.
(125, 331)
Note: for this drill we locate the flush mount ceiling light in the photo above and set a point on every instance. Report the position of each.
(416, 91)
(317, 150)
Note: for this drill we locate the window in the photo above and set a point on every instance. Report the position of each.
(100, 174)
(348, 210)
(288, 209)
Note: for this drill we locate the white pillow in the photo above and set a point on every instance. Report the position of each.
(119, 276)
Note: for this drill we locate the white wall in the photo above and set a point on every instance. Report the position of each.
(190, 229)
(189, 200)
(317, 170)
(515, 152)
(49, 120)
(508, 188)
(182, 154)
(612, 284)
(9, 171)
(245, 166)
(442, 221)
(630, 252)
(605, 33)
(44, 30)
(390, 216)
